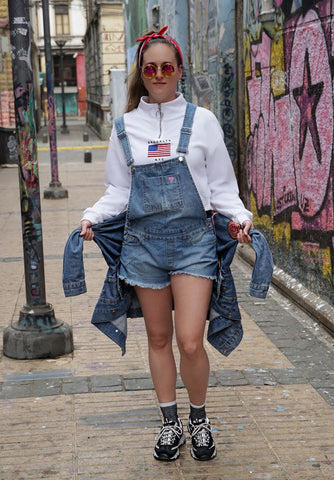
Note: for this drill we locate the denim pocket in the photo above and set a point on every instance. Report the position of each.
(201, 237)
(131, 248)
(162, 193)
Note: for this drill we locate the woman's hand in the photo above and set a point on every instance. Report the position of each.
(243, 235)
(86, 230)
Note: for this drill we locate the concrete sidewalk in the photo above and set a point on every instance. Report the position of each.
(93, 414)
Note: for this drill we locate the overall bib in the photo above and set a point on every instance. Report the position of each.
(167, 230)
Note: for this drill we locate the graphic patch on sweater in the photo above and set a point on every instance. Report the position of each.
(159, 149)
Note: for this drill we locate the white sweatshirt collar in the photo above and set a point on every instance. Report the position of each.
(167, 107)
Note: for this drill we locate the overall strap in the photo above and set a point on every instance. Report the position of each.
(186, 128)
(122, 135)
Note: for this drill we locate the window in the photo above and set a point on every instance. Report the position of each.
(69, 71)
(62, 20)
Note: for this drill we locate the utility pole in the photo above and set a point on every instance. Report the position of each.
(61, 44)
(55, 189)
(37, 333)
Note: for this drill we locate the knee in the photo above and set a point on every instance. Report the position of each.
(159, 342)
(190, 348)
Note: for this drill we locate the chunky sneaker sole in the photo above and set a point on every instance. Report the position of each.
(203, 446)
(204, 458)
(169, 441)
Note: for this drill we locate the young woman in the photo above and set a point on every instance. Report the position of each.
(168, 167)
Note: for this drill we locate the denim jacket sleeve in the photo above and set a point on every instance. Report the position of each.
(73, 268)
(263, 266)
(117, 301)
(226, 247)
(225, 330)
(108, 236)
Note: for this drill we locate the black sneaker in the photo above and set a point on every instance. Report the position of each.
(170, 439)
(203, 446)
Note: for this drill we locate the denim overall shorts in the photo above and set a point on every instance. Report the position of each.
(167, 230)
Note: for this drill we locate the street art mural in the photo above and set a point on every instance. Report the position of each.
(213, 54)
(289, 135)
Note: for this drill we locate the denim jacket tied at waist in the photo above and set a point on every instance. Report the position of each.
(118, 301)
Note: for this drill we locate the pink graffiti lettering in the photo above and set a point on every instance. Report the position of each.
(289, 149)
(312, 114)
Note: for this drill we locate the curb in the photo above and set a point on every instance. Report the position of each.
(321, 311)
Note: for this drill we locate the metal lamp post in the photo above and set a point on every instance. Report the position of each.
(61, 44)
(37, 333)
(55, 189)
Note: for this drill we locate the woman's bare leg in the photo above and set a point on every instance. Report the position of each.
(156, 306)
(191, 301)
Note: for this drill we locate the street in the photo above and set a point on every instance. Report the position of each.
(93, 414)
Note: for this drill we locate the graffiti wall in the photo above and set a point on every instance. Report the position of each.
(213, 56)
(289, 135)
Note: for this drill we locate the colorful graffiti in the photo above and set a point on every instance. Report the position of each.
(213, 53)
(289, 129)
(27, 146)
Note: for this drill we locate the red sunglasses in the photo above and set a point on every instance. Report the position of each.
(150, 70)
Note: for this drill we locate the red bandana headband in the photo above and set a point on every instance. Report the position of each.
(146, 38)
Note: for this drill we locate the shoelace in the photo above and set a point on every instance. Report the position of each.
(168, 433)
(201, 434)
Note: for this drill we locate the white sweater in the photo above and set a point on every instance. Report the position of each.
(209, 163)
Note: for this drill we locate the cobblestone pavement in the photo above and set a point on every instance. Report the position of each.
(93, 414)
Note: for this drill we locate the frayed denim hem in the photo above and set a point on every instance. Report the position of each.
(208, 277)
(133, 283)
(160, 286)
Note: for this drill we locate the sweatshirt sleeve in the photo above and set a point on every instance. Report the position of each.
(221, 177)
(117, 182)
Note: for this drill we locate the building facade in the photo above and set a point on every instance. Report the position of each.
(67, 24)
(104, 51)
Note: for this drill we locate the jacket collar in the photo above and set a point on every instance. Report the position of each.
(170, 108)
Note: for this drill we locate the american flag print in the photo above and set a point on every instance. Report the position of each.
(159, 150)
